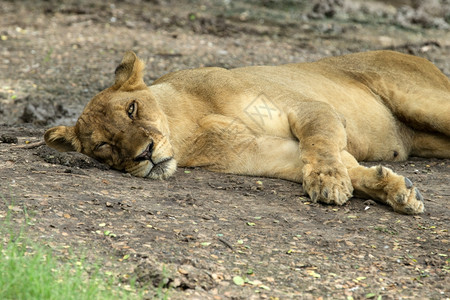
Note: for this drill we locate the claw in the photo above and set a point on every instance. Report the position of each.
(314, 196)
(418, 195)
(408, 183)
(380, 172)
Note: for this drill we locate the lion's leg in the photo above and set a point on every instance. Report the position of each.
(430, 145)
(429, 111)
(227, 145)
(382, 184)
(322, 137)
(415, 90)
(422, 107)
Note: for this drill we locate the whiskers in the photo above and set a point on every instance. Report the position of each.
(162, 170)
(142, 169)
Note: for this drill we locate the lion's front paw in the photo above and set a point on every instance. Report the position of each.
(402, 195)
(328, 183)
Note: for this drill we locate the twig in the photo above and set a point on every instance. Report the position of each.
(60, 173)
(226, 243)
(30, 145)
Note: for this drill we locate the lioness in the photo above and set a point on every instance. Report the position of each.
(309, 122)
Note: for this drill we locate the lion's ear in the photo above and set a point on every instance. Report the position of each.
(129, 74)
(62, 138)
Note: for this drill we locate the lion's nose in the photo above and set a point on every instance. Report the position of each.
(146, 154)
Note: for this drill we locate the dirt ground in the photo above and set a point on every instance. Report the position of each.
(201, 233)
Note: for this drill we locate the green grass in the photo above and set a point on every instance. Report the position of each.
(33, 272)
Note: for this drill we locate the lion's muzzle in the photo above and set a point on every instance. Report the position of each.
(163, 169)
(146, 154)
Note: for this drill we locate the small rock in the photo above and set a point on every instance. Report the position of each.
(369, 202)
(8, 139)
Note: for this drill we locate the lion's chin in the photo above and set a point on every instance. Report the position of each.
(161, 170)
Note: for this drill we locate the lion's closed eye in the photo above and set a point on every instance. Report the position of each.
(103, 152)
(100, 146)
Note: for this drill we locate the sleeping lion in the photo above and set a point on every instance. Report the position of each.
(309, 122)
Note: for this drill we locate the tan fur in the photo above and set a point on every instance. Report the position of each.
(307, 122)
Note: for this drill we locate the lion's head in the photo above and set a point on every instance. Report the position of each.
(122, 126)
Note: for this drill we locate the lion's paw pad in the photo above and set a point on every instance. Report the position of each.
(330, 185)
